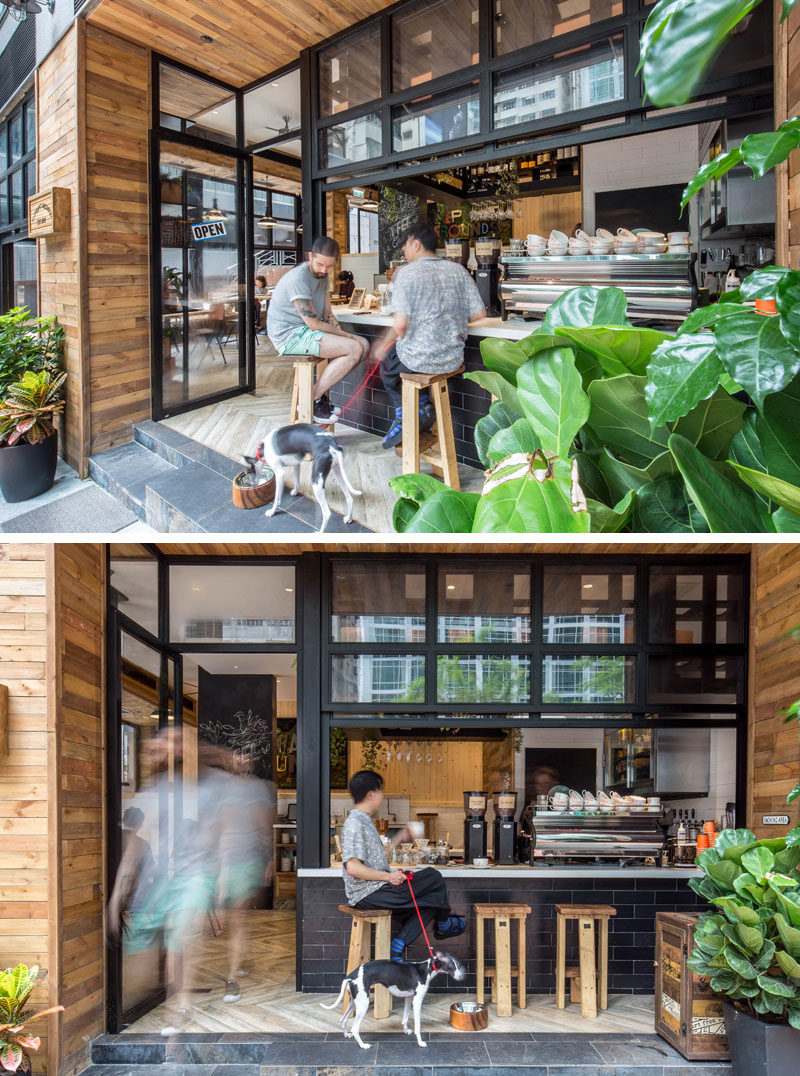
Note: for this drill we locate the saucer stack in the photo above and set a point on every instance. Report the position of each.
(601, 243)
(557, 243)
(651, 242)
(536, 245)
(678, 243)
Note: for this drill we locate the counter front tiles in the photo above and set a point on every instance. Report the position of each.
(537, 872)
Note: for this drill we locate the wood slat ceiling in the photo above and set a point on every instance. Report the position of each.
(251, 38)
(275, 549)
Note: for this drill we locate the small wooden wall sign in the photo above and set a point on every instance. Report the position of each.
(49, 212)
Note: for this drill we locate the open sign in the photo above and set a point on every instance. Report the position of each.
(209, 229)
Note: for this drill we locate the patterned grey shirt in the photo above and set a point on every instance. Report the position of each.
(438, 297)
(360, 840)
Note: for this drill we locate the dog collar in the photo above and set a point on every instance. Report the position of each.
(259, 457)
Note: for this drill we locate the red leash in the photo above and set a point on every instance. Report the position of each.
(409, 875)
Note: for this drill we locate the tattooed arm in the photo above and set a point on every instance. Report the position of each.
(326, 324)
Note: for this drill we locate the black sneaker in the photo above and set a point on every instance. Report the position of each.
(324, 411)
(427, 417)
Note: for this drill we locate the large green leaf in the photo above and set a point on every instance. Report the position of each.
(497, 385)
(773, 985)
(778, 428)
(619, 419)
(500, 417)
(763, 151)
(587, 306)
(789, 935)
(506, 356)
(593, 481)
(758, 861)
(740, 964)
(682, 372)
(607, 520)
(746, 446)
(451, 512)
(782, 493)
(679, 41)
(622, 477)
(664, 506)
(552, 398)
(751, 937)
(618, 350)
(524, 496)
(756, 354)
(763, 283)
(417, 487)
(724, 872)
(712, 424)
(517, 438)
(787, 963)
(705, 317)
(713, 169)
(788, 302)
(734, 838)
(414, 492)
(724, 506)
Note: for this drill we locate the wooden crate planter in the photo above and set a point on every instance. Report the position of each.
(49, 212)
(687, 1014)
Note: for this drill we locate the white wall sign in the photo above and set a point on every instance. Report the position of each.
(775, 820)
(209, 229)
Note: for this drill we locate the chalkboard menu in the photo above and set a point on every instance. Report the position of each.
(397, 212)
(237, 712)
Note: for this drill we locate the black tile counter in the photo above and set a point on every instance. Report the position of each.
(324, 932)
(372, 411)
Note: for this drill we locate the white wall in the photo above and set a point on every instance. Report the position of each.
(647, 160)
(363, 267)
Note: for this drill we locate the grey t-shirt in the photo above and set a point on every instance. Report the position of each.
(282, 317)
(360, 840)
(438, 297)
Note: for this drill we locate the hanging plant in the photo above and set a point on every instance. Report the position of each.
(338, 746)
(369, 754)
(389, 203)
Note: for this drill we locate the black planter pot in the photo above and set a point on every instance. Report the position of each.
(28, 470)
(759, 1049)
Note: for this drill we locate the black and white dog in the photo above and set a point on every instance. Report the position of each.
(285, 449)
(409, 981)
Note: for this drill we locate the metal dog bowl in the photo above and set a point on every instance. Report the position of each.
(469, 1016)
(247, 493)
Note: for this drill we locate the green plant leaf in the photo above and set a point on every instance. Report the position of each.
(619, 419)
(417, 487)
(713, 169)
(789, 935)
(497, 385)
(723, 872)
(524, 495)
(751, 937)
(712, 424)
(724, 506)
(756, 354)
(794, 1017)
(787, 964)
(788, 302)
(504, 357)
(552, 398)
(763, 151)
(538, 341)
(734, 839)
(758, 861)
(793, 837)
(763, 283)
(789, 903)
(710, 855)
(778, 429)
(782, 493)
(682, 372)
(734, 907)
(664, 506)
(587, 306)
(772, 985)
(705, 317)
(740, 964)
(746, 450)
(616, 349)
(622, 476)
(517, 438)
(500, 417)
(679, 41)
(450, 512)
(747, 887)
(592, 480)
(607, 520)
(787, 860)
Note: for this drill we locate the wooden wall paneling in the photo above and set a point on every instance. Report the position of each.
(774, 761)
(428, 784)
(117, 240)
(25, 791)
(568, 549)
(544, 212)
(792, 170)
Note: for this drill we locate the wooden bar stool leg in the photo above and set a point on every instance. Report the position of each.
(561, 961)
(444, 427)
(603, 963)
(522, 996)
(480, 972)
(586, 964)
(502, 964)
(305, 406)
(383, 942)
(357, 933)
(410, 426)
(295, 400)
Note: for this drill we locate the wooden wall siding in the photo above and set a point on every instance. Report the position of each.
(24, 788)
(775, 678)
(793, 109)
(116, 120)
(547, 211)
(60, 257)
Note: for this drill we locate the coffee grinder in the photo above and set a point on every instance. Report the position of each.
(505, 828)
(474, 826)
(487, 275)
(457, 250)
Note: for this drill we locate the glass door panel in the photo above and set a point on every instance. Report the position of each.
(201, 307)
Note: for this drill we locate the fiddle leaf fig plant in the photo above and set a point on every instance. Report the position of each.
(749, 946)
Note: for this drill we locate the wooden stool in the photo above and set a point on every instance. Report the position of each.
(592, 981)
(428, 819)
(361, 949)
(443, 459)
(503, 972)
(307, 368)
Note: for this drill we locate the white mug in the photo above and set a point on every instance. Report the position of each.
(626, 235)
(603, 233)
(558, 801)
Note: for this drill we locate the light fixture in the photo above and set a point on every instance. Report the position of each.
(214, 213)
(289, 590)
(370, 203)
(588, 586)
(267, 221)
(451, 586)
(236, 666)
(208, 40)
(299, 229)
(195, 587)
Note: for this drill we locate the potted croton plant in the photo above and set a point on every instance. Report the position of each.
(16, 1043)
(28, 436)
(749, 946)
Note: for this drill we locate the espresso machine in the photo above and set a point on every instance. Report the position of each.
(505, 828)
(474, 825)
(487, 275)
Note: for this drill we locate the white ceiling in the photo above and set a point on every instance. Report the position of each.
(281, 666)
(265, 109)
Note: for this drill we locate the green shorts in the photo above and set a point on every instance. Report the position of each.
(303, 341)
(242, 880)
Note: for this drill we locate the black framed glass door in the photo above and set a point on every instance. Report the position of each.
(202, 324)
(147, 756)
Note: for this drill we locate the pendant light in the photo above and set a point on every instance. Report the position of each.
(267, 221)
(214, 213)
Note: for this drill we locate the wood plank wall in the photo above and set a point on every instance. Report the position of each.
(774, 748)
(793, 109)
(24, 787)
(61, 278)
(117, 121)
(544, 212)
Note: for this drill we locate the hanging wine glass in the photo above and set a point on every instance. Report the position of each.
(388, 754)
(428, 756)
(410, 751)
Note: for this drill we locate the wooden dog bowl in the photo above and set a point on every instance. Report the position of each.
(469, 1016)
(247, 495)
